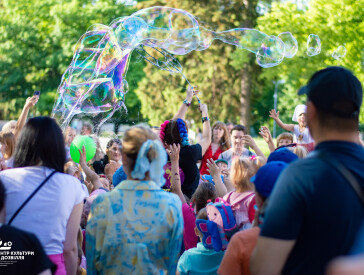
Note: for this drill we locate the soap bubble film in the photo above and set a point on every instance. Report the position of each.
(339, 53)
(313, 45)
(95, 81)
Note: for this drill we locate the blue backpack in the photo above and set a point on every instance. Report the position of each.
(220, 226)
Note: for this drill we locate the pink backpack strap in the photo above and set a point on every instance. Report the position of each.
(241, 198)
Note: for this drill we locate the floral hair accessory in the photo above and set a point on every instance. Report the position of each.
(182, 132)
(252, 157)
(162, 131)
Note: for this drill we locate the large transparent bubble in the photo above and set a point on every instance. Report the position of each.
(95, 81)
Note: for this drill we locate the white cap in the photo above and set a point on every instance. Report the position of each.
(299, 110)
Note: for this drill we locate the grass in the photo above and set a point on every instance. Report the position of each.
(263, 145)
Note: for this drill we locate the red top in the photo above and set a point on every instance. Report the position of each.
(206, 156)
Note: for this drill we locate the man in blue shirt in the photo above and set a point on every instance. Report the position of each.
(314, 214)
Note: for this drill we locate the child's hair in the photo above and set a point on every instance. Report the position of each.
(9, 126)
(9, 140)
(242, 170)
(71, 163)
(202, 214)
(257, 162)
(68, 129)
(205, 192)
(174, 131)
(284, 136)
(300, 151)
(133, 141)
(224, 142)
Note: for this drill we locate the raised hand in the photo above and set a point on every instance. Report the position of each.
(214, 170)
(273, 114)
(31, 101)
(265, 133)
(191, 92)
(173, 152)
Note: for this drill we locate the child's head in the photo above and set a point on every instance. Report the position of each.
(7, 142)
(242, 170)
(284, 139)
(300, 151)
(69, 136)
(299, 115)
(201, 215)
(174, 131)
(72, 169)
(257, 162)
(221, 163)
(204, 192)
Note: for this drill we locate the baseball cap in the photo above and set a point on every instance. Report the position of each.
(266, 177)
(282, 154)
(210, 179)
(221, 160)
(329, 89)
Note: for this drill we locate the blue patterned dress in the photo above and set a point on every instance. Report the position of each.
(135, 229)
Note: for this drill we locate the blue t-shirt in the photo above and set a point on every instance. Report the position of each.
(118, 176)
(200, 260)
(314, 204)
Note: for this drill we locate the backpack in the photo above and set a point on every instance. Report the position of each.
(240, 206)
(220, 226)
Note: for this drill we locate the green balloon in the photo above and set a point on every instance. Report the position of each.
(77, 143)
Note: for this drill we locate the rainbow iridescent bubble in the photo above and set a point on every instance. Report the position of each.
(313, 45)
(95, 81)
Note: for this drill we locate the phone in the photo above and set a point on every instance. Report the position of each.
(36, 93)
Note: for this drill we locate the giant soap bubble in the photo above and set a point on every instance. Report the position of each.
(95, 81)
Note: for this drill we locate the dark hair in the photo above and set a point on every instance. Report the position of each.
(40, 143)
(204, 192)
(2, 196)
(172, 135)
(112, 141)
(238, 128)
(331, 121)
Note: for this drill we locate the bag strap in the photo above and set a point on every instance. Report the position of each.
(345, 172)
(30, 197)
(241, 199)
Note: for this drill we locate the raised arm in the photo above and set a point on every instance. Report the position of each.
(206, 130)
(90, 175)
(173, 152)
(251, 142)
(215, 172)
(30, 102)
(275, 115)
(184, 106)
(265, 133)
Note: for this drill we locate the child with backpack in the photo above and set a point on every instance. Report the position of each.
(242, 199)
(200, 260)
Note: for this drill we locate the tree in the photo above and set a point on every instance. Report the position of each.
(336, 23)
(220, 83)
(37, 38)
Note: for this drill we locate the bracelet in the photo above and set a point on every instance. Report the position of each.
(188, 103)
(205, 119)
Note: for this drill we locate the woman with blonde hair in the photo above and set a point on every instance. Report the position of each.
(137, 228)
(220, 142)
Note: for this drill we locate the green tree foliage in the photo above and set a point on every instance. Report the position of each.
(336, 23)
(37, 39)
(219, 82)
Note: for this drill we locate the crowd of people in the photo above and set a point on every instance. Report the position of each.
(155, 203)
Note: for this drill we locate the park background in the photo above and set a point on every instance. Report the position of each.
(37, 39)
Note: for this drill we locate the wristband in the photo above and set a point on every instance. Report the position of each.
(188, 103)
(205, 119)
